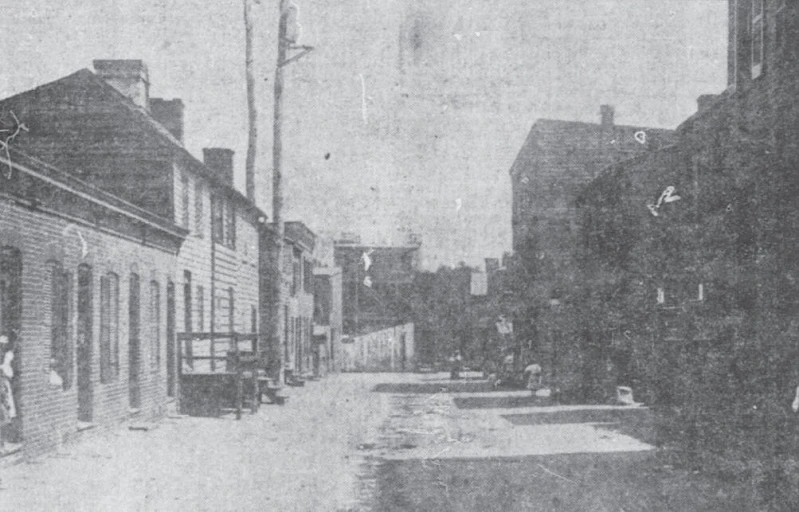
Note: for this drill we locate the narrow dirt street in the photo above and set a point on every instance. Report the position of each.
(373, 442)
(302, 456)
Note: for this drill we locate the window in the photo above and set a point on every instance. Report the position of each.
(155, 325)
(231, 310)
(184, 189)
(296, 273)
(109, 327)
(757, 37)
(199, 221)
(230, 225)
(307, 278)
(60, 326)
(224, 222)
(200, 308)
(253, 320)
(217, 219)
(134, 340)
(187, 327)
(285, 333)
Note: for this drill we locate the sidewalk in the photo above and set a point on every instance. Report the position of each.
(294, 457)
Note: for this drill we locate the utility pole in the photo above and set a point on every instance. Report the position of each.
(252, 110)
(287, 34)
(278, 296)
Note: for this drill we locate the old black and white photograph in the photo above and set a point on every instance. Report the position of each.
(399, 255)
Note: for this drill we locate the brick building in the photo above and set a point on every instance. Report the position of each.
(704, 289)
(87, 302)
(104, 128)
(731, 166)
(557, 160)
(377, 284)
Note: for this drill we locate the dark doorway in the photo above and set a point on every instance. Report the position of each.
(134, 342)
(187, 302)
(171, 367)
(84, 346)
(10, 326)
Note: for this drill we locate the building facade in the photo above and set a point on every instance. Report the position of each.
(693, 251)
(103, 128)
(557, 160)
(297, 353)
(88, 286)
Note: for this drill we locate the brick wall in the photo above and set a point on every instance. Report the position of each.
(48, 413)
(720, 366)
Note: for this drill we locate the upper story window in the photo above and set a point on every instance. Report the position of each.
(230, 225)
(224, 222)
(758, 22)
(184, 199)
(296, 273)
(199, 219)
(307, 277)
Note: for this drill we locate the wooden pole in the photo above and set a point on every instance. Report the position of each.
(277, 186)
(252, 109)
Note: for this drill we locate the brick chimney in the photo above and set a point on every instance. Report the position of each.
(606, 113)
(220, 160)
(170, 114)
(129, 77)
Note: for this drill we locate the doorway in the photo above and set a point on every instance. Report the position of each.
(10, 327)
(84, 345)
(171, 367)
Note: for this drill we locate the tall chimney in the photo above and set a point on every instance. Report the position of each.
(220, 160)
(170, 114)
(606, 114)
(129, 77)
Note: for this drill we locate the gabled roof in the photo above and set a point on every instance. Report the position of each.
(117, 124)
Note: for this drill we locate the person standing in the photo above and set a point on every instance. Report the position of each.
(533, 373)
(455, 366)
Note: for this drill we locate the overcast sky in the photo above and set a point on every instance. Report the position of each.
(409, 113)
